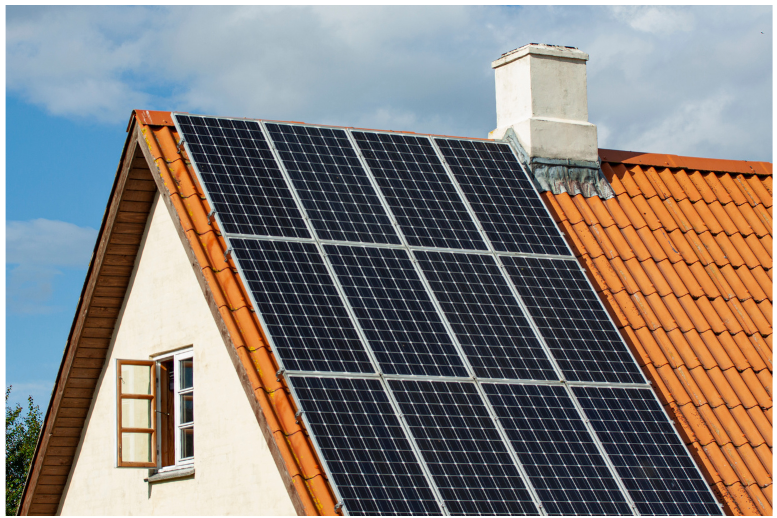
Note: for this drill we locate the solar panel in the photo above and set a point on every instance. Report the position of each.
(243, 182)
(367, 454)
(504, 200)
(572, 321)
(487, 319)
(558, 453)
(332, 184)
(418, 190)
(425, 358)
(462, 447)
(302, 311)
(649, 456)
(395, 311)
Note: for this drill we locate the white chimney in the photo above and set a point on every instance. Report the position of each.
(541, 93)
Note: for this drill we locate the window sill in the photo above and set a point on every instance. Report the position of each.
(170, 475)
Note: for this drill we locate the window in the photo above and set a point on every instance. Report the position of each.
(156, 412)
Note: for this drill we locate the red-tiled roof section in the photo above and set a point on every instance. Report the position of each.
(234, 306)
(682, 257)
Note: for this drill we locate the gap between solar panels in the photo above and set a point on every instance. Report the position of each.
(445, 348)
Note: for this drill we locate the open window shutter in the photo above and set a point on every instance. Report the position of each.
(136, 413)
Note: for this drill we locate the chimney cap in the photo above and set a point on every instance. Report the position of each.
(558, 51)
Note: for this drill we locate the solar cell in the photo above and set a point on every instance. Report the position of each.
(572, 320)
(395, 311)
(650, 458)
(364, 447)
(332, 184)
(502, 196)
(558, 453)
(486, 318)
(468, 459)
(241, 177)
(423, 199)
(301, 308)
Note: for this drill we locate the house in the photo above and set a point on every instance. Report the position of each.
(678, 250)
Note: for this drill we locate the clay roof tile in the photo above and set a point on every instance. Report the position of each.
(613, 172)
(624, 276)
(756, 388)
(695, 247)
(632, 340)
(683, 182)
(588, 240)
(749, 350)
(681, 271)
(721, 194)
(644, 279)
(556, 212)
(733, 190)
(759, 224)
(766, 310)
(742, 224)
(701, 348)
(762, 249)
(746, 189)
(701, 275)
(758, 188)
(711, 245)
(730, 251)
(619, 240)
(742, 420)
(652, 349)
(616, 211)
(761, 421)
(569, 208)
(677, 389)
(631, 211)
(685, 218)
(654, 213)
(629, 182)
(665, 183)
(725, 316)
(600, 211)
(722, 434)
(720, 281)
(600, 273)
(763, 280)
(584, 210)
(697, 423)
(722, 217)
(650, 184)
(680, 344)
(733, 355)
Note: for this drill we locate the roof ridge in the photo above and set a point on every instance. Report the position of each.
(686, 162)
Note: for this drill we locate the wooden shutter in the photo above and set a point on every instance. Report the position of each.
(136, 401)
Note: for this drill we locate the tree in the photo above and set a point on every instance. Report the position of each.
(21, 436)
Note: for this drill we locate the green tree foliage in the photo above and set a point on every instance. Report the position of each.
(21, 436)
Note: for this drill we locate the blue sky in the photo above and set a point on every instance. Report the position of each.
(692, 81)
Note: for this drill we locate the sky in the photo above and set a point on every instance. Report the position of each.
(693, 81)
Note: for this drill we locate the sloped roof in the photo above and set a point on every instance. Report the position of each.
(682, 257)
(154, 145)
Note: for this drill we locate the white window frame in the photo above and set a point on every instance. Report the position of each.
(176, 357)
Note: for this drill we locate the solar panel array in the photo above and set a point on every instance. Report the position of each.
(446, 349)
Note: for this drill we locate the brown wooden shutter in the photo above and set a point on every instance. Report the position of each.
(136, 401)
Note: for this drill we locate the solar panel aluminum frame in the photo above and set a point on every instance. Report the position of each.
(397, 413)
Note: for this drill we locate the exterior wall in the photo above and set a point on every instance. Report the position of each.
(234, 470)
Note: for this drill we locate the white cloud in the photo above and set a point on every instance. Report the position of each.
(424, 68)
(655, 19)
(48, 242)
(36, 253)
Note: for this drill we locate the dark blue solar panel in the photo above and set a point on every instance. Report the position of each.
(418, 190)
(332, 184)
(467, 458)
(572, 320)
(304, 314)
(558, 453)
(650, 458)
(367, 453)
(502, 196)
(241, 177)
(395, 311)
(486, 317)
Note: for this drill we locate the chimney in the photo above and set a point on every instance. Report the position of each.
(541, 94)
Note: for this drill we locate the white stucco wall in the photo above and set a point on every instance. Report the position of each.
(234, 471)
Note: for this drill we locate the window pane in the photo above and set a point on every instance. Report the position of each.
(187, 443)
(136, 413)
(136, 447)
(186, 373)
(136, 379)
(187, 408)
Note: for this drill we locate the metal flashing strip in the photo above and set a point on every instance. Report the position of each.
(385, 245)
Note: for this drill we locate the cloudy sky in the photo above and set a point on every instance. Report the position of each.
(693, 81)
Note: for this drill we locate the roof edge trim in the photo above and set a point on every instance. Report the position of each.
(686, 162)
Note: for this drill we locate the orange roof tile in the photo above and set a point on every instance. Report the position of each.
(689, 276)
